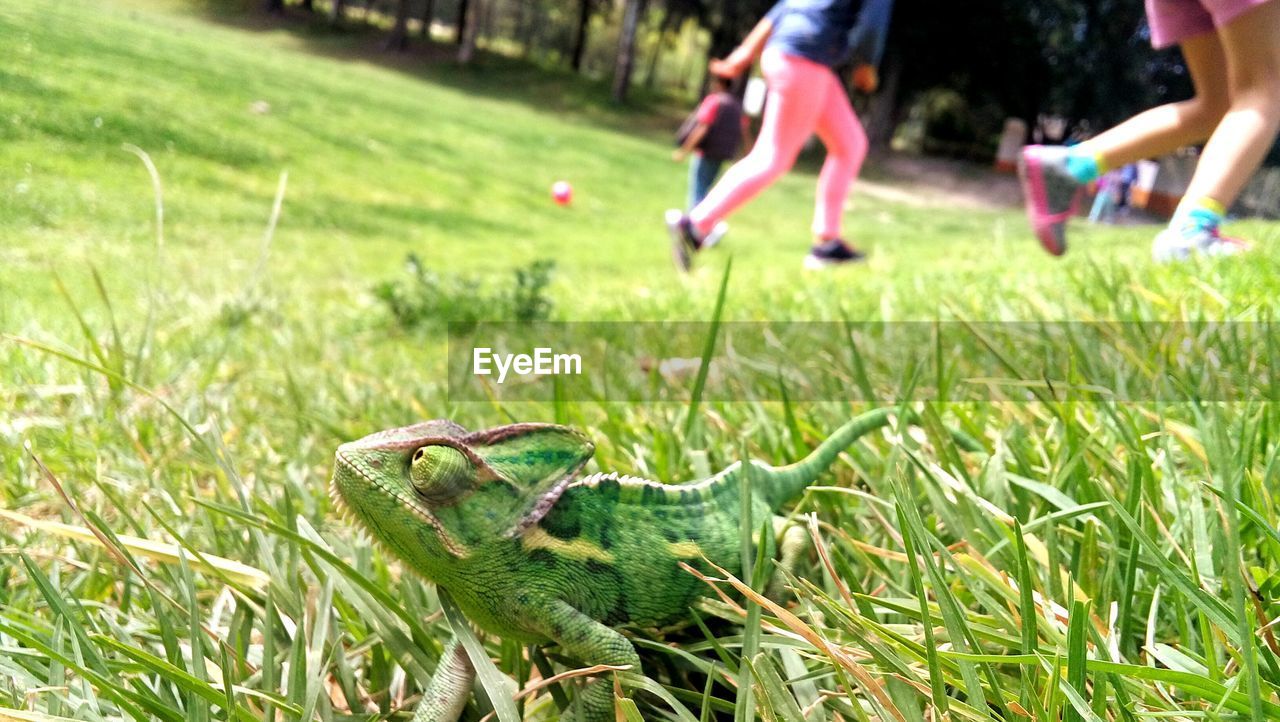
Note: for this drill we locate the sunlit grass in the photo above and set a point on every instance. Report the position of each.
(1100, 561)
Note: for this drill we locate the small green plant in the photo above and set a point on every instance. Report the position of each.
(528, 300)
(241, 310)
(427, 297)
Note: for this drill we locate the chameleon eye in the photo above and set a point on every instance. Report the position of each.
(440, 473)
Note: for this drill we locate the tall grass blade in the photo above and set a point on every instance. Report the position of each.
(708, 355)
(495, 685)
(782, 704)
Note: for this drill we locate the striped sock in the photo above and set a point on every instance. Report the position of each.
(1084, 166)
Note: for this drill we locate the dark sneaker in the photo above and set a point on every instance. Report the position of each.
(1050, 192)
(685, 242)
(831, 253)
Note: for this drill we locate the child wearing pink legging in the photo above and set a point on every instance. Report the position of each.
(799, 42)
(1232, 49)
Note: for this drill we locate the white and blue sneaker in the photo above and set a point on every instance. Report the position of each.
(1175, 244)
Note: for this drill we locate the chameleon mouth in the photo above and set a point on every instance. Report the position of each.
(347, 465)
(339, 504)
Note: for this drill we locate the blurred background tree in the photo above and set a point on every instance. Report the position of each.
(952, 74)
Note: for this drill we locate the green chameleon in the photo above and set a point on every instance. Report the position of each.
(532, 553)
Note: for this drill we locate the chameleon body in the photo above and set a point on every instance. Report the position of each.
(531, 552)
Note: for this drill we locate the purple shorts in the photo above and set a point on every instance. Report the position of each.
(1173, 21)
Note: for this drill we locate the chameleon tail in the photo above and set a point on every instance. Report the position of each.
(782, 483)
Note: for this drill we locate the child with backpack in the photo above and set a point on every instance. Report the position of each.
(800, 42)
(711, 135)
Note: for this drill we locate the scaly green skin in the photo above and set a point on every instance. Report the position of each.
(530, 553)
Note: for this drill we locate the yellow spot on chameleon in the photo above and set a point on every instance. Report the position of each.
(580, 549)
(685, 549)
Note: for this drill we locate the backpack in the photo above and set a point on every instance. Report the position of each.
(686, 127)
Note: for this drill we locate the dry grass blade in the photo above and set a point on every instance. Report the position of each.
(835, 653)
(154, 550)
(13, 715)
(533, 688)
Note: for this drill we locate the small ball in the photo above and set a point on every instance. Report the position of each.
(562, 192)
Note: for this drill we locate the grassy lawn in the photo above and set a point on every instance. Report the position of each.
(192, 393)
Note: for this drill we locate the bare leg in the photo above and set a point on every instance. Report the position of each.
(1235, 150)
(1169, 127)
(1052, 188)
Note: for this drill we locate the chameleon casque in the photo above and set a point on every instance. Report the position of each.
(531, 552)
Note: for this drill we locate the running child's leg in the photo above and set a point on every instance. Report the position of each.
(702, 174)
(710, 171)
(1053, 175)
(1166, 128)
(1251, 45)
(846, 142)
(789, 118)
(1237, 147)
(695, 177)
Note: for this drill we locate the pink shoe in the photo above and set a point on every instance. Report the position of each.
(1051, 193)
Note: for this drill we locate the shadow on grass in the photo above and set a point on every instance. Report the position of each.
(493, 75)
(490, 74)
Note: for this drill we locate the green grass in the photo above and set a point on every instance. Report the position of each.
(1100, 563)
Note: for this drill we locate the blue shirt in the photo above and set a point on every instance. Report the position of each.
(830, 32)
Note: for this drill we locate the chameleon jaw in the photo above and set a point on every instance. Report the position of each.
(348, 464)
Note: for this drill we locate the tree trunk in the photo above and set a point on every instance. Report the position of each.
(464, 15)
(399, 38)
(372, 8)
(308, 6)
(339, 10)
(725, 35)
(882, 113)
(686, 70)
(524, 27)
(626, 50)
(485, 16)
(470, 29)
(580, 37)
(275, 7)
(651, 76)
(428, 17)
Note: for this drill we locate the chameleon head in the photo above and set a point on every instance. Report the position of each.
(434, 491)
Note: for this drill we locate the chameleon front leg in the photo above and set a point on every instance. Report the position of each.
(589, 642)
(450, 687)
(791, 549)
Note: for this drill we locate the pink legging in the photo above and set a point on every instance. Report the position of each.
(804, 97)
